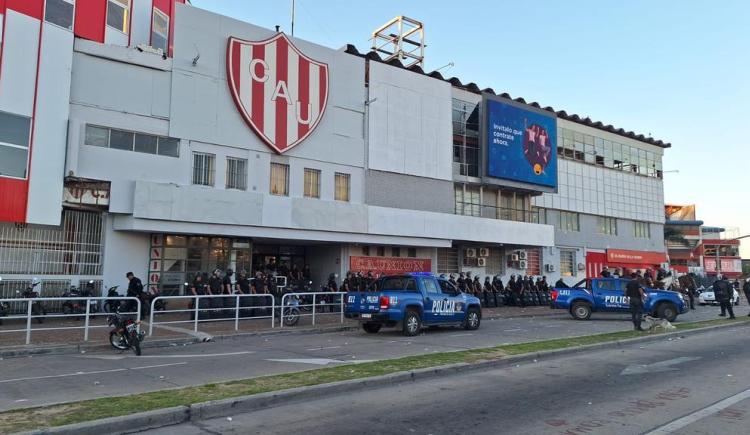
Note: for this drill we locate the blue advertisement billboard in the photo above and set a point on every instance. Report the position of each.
(521, 143)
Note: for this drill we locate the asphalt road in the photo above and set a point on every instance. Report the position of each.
(700, 384)
(43, 380)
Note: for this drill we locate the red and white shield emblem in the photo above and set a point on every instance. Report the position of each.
(280, 92)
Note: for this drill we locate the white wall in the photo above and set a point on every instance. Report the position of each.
(140, 26)
(50, 127)
(410, 129)
(124, 252)
(19, 63)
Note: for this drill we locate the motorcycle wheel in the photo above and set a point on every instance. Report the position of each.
(117, 341)
(291, 316)
(136, 344)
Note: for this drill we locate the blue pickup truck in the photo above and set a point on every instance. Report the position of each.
(413, 300)
(607, 295)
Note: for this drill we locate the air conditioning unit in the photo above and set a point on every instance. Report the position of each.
(522, 264)
(522, 255)
(481, 262)
(581, 266)
(484, 252)
(549, 267)
(471, 252)
(514, 257)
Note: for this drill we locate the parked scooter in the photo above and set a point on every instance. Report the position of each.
(37, 309)
(112, 305)
(289, 313)
(124, 334)
(73, 306)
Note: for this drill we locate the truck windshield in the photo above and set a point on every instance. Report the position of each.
(397, 283)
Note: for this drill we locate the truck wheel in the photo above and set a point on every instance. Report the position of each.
(371, 328)
(412, 323)
(667, 311)
(473, 318)
(581, 311)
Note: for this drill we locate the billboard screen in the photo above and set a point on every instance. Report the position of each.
(521, 143)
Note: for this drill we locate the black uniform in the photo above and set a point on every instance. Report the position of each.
(215, 284)
(633, 292)
(135, 290)
(723, 293)
(746, 289)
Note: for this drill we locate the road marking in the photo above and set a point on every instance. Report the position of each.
(461, 335)
(512, 330)
(198, 355)
(315, 361)
(323, 348)
(158, 365)
(700, 414)
(657, 367)
(5, 381)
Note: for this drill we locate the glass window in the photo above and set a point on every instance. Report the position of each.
(366, 251)
(411, 252)
(381, 251)
(606, 225)
(341, 190)
(279, 179)
(169, 147)
(466, 137)
(60, 13)
(13, 161)
(569, 221)
(641, 230)
(121, 140)
(395, 251)
(145, 143)
(236, 173)
(312, 183)
(467, 200)
(203, 169)
(430, 286)
(14, 129)
(97, 136)
(567, 262)
(160, 30)
(117, 14)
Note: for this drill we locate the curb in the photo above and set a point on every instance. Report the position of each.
(76, 348)
(226, 407)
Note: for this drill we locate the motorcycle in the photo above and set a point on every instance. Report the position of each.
(37, 309)
(289, 313)
(112, 306)
(124, 334)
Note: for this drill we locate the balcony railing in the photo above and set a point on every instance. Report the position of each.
(494, 212)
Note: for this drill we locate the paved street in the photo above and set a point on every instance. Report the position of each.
(633, 390)
(40, 380)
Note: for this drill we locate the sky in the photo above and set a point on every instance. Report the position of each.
(678, 70)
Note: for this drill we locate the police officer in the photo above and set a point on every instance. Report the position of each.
(135, 290)
(215, 288)
(198, 288)
(723, 293)
(243, 288)
(634, 291)
(746, 289)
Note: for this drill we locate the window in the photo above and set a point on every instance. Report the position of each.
(312, 183)
(117, 14)
(606, 225)
(59, 13)
(467, 200)
(411, 252)
(466, 137)
(381, 251)
(342, 187)
(366, 251)
(203, 169)
(641, 230)
(569, 221)
(14, 144)
(236, 173)
(160, 30)
(395, 251)
(567, 262)
(430, 286)
(130, 141)
(279, 179)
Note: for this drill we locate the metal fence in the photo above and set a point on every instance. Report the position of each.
(37, 313)
(316, 303)
(209, 308)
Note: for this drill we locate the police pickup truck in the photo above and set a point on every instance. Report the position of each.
(607, 295)
(412, 300)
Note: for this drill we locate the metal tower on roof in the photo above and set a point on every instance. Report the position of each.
(401, 38)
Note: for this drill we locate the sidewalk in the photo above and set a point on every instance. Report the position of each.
(47, 334)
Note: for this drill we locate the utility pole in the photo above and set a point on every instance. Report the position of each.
(292, 17)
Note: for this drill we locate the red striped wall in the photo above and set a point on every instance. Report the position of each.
(91, 19)
(13, 197)
(32, 8)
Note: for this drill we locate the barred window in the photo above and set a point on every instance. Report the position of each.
(569, 221)
(203, 169)
(279, 179)
(236, 173)
(312, 183)
(341, 191)
(606, 225)
(641, 230)
(567, 262)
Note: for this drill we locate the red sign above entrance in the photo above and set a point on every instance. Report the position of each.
(280, 92)
(636, 257)
(389, 265)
